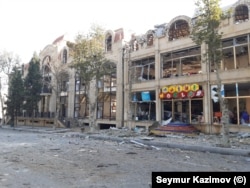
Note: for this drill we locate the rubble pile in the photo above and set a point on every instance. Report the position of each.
(237, 140)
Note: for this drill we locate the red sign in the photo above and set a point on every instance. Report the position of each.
(168, 96)
(199, 93)
(181, 95)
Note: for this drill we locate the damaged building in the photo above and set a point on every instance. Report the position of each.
(161, 75)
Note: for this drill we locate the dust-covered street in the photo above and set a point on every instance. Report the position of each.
(64, 160)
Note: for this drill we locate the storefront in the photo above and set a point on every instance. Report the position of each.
(182, 103)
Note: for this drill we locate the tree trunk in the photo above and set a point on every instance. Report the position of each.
(1, 99)
(93, 107)
(224, 123)
(224, 110)
(57, 109)
(2, 102)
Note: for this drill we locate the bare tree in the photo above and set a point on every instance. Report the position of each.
(8, 60)
(89, 59)
(54, 73)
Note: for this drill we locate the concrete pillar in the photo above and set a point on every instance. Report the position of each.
(119, 89)
(71, 95)
(157, 80)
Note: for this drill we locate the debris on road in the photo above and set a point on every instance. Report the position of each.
(144, 145)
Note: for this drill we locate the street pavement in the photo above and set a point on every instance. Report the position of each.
(239, 142)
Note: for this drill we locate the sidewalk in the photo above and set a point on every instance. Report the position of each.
(239, 142)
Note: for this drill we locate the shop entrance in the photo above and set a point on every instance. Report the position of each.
(186, 111)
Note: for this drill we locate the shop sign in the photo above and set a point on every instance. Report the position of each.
(181, 91)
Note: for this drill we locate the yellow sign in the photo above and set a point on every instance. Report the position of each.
(171, 89)
(181, 91)
(161, 95)
(194, 87)
(178, 88)
(186, 88)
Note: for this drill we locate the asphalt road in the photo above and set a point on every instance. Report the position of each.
(63, 160)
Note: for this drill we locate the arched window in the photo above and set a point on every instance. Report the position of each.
(46, 64)
(178, 29)
(65, 56)
(134, 45)
(150, 39)
(241, 13)
(108, 43)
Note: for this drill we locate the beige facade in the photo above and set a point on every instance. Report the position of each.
(53, 59)
(166, 59)
(161, 75)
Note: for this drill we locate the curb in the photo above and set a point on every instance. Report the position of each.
(199, 148)
(220, 150)
(35, 130)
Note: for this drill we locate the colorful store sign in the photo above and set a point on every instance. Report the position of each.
(194, 87)
(186, 87)
(164, 89)
(171, 89)
(181, 91)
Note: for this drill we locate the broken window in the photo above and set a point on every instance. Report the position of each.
(106, 105)
(107, 95)
(108, 43)
(241, 13)
(81, 105)
(228, 58)
(178, 29)
(227, 43)
(109, 83)
(181, 63)
(237, 96)
(143, 105)
(235, 52)
(242, 56)
(191, 65)
(143, 70)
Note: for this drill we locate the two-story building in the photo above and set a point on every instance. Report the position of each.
(160, 75)
(165, 75)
